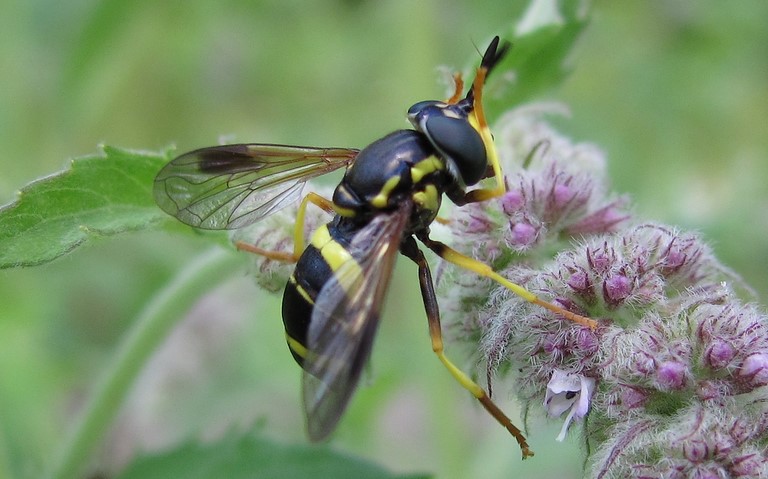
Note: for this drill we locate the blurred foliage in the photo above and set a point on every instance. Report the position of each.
(674, 91)
(99, 195)
(267, 461)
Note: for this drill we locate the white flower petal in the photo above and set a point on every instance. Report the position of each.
(566, 424)
(587, 388)
(562, 392)
(568, 392)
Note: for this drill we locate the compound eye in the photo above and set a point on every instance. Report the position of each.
(461, 143)
(420, 107)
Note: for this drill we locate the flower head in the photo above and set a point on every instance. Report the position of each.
(681, 362)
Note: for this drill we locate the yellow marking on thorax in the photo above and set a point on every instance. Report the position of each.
(380, 200)
(428, 199)
(425, 167)
(345, 212)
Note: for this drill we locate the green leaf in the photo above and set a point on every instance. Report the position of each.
(255, 458)
(541, 42)
(98, 196)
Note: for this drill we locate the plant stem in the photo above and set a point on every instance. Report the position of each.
(152, 326)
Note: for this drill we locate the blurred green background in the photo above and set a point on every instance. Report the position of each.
(675, 92)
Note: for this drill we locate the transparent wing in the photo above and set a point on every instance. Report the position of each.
(345, 320)
(230, 186)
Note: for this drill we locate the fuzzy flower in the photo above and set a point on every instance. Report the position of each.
(674, 379)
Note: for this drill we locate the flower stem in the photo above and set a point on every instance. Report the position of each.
(151, 327)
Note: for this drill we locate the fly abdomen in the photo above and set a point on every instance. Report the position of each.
(326, 252)
(311, 273)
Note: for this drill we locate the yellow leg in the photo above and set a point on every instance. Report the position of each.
(453, 256)
(411, 250)
(298, 232)
(477, 119)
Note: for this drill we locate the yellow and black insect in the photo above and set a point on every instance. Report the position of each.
(390, 194)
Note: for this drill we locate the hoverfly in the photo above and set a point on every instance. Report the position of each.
(390, 194)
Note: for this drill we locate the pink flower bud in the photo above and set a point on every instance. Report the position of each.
(695, 450)
(562, 194)
(616, 288)
(579, 282)
(671, 374)
(755, 369)
(511, 202)
(523, 234)
(719, 354)
(599, 260)
(674, 258)
(587, 341)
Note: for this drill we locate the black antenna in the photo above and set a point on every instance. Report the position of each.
(493, 55)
